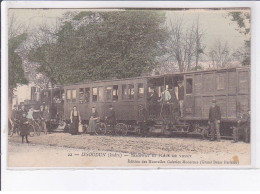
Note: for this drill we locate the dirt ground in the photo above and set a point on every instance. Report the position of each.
(128, 151)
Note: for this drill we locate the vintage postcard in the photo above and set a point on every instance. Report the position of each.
(129, 88)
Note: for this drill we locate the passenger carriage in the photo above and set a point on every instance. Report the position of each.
(230, 87)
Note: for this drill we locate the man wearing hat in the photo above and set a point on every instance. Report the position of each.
(111, 116)
(174, 105)
(181, 95)
(214, 120)
(153, 102)
(243, 128)
(142, 119)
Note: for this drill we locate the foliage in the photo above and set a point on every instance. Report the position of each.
(117, 44)
(15, 65)
(185, 44)
(220, 54)
(243, 21)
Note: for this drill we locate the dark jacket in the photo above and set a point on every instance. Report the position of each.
(46, 115)
(111, 116)
(173, 97)
(94, 115)
(214, 113)
(153, 98)
(14, 114)
(181, 93)
(24, 130)
(20, 114)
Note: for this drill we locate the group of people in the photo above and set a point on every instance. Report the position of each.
(75, 120)
(22, 118)
(242, 128)
(169, 103)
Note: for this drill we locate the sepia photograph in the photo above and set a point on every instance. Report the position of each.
(127, 87)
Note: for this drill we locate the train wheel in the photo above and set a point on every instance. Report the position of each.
(121, 129)
(31, 130)
(101, 129)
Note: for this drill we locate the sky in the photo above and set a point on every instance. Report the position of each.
(215, 23)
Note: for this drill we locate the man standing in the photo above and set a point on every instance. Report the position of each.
(165, 98)
(181, 95)
(141, 120)
(243, 127)
(174, 106)
(111, 116)
(153, 103)
(214, 120)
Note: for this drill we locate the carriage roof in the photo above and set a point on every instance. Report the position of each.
(159, 76)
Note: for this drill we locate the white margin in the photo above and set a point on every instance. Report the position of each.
(182, 179)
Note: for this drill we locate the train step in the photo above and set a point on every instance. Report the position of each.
(159, 122)
(158, 126)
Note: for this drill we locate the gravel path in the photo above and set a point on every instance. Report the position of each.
(60, 144)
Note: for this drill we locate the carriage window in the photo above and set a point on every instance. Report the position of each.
(74, 95)
(220, 82)
(68, 95)
(109, 93)
(124, 92)
(94, 94)
(81, 95)
(131, 91)
(115, 93)
(101, 94)
(140, 91)
(87, 94)
(188, 86)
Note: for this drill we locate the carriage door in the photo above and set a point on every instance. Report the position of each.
(243, 96)
(188, 98)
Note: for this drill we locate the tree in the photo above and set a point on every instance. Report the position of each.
(16, 75)
(220, 54)
(112, 44)
(243, 20)
(15, 67)
(185, 44)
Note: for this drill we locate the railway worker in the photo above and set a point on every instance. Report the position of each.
(93, 121)
(24, 130)
(111, 116)
(181, 95)
(214, 121)
(174, 105)
(14, 114)
(165, 98)
(142, 119)
(153, 102)
(75, 120)
(243, 126)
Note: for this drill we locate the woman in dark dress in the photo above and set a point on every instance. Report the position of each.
(24, 130)
(93, 121)
(75, 120)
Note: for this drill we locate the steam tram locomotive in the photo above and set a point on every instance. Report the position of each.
(230, 87)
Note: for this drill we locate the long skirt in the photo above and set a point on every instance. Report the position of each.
(74, 126)
(92, 126)
(24, 129)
